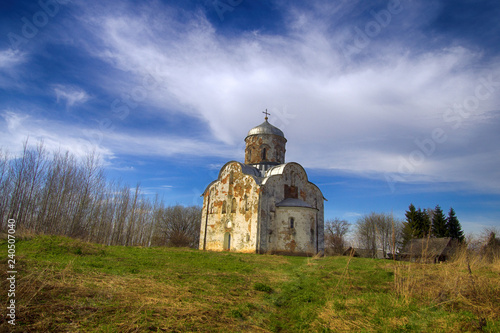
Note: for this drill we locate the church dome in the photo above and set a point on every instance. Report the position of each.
(265, 128)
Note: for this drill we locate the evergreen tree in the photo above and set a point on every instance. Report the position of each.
(439, 228)
(409, 225)
(453, 227)
(417, 224)
(423, 223)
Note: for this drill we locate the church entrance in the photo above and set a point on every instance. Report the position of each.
(227, 241)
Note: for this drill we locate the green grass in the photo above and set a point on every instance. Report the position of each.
(66, 285)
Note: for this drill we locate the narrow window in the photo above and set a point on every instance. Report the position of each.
(249, 154)
(264, 154)
(231, 183)
(223, 207)
(227, 241)
(292, 222)
(233, 205)
(246, 203)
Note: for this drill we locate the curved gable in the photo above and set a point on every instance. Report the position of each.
(243, 168)
(286, 170)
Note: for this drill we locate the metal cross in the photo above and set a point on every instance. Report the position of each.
(266, 113)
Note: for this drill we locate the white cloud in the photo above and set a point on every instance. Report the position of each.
(71, 95)
(356, 114)
(10, 58)
(82, 140)
(20, 126)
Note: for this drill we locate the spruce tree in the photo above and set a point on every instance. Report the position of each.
(439, 228)
(409, 225)
(423, 224)
(453, 226)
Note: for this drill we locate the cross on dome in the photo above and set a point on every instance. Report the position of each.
(266, 113)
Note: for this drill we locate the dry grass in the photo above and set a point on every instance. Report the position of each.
(466, 283)
(68, 285)
(58, 300)
(60, 292)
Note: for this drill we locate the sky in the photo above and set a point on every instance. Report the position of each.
(384, 103)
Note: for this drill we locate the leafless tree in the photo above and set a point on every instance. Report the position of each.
(491, 244)
(378, 231)
(335, 233)
(56, 193)
(181, 225)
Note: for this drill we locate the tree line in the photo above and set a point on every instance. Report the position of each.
(421, 223)
(379, 234)
(58, 193)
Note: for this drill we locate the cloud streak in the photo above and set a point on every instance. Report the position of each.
(363, 114)
(71, 95)
(374, 112)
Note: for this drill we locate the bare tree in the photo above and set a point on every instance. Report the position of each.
(5, 187)
(366, 233)
(56, 193)
(181, 225)
(378, 232)
(491, 248)
(335, 232)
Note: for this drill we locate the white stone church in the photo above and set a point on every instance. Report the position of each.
(263, 205)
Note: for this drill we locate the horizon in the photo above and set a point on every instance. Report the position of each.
(385, 104)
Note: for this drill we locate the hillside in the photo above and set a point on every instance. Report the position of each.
(66, 285)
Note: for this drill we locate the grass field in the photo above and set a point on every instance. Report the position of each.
(66, 285)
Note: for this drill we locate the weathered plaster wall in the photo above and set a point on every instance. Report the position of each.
(275, 234)
(244, 206)
(230, 206)
(273, 144)
(297, 239)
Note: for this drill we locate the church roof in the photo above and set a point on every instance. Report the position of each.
(266, 128)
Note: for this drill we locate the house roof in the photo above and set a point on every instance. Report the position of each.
(363, 253)
(428, 247)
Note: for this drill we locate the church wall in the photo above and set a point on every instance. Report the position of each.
(243, 210)
(294, 231)
(274, 220)
(273, 144)
(232, 210)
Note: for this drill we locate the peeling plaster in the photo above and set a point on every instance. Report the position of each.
(252, 220)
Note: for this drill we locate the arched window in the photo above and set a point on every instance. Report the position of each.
(249, 154)
(233, 205)
(227, 241)
(223, 207)
(264, 153)
(291, 222)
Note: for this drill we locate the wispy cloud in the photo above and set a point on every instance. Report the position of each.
(10, 58)
(71, 95)
(370, 113)
(363, 114)
(58, 135)
(55, 135)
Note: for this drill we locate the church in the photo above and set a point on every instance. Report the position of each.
(263, 205)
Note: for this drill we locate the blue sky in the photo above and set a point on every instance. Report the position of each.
(385, 103)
